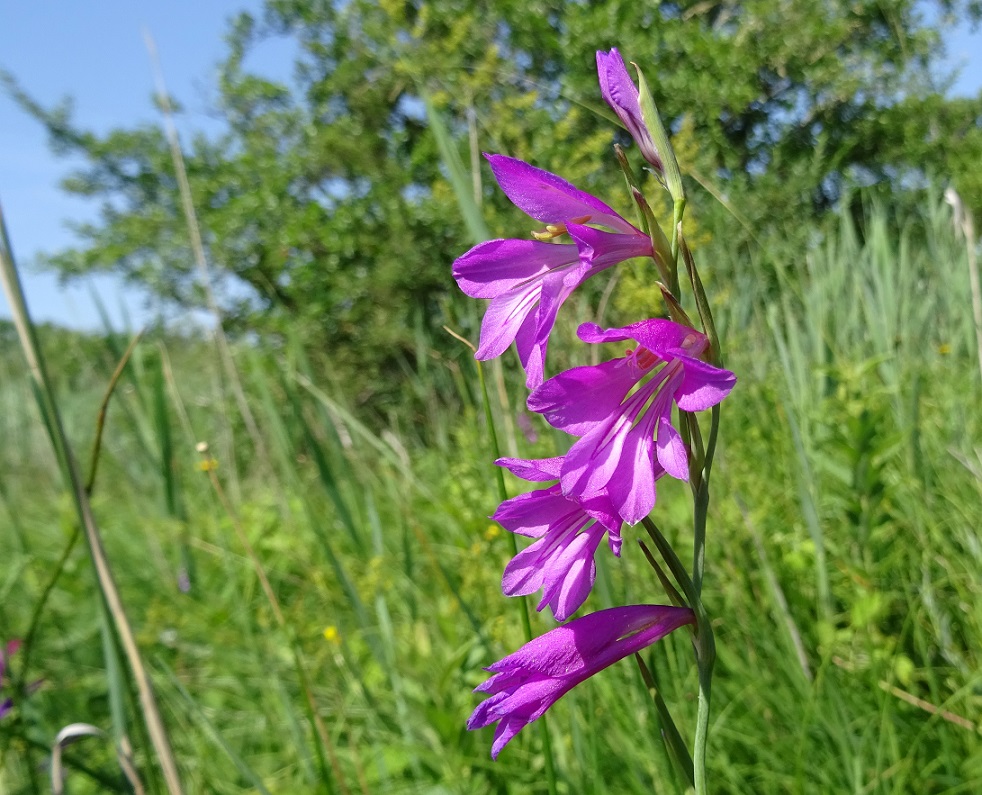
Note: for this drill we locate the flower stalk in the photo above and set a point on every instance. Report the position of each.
(634, 420)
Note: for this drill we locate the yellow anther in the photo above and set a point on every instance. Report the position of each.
(555, 230)
(551, 231)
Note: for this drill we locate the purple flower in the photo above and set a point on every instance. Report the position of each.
(525, 684)
(620, 93)
(627, 438)
(528, 280)
(561, 563)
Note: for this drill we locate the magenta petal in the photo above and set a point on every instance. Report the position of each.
(495, 266)
(561, 564)
(593, 460)
(703, 386)
(514, 709)
(548, 198)
(503, 735)
(524, 573)
(566, 593)
(526, 683)
(533, 341)
(632, 489)
(615, 541)
(616, 86)
(603, 249)
(599, 455)
(667, 338)
(619, 91)
(601, 509)
(561, 561)
(533, 469)
(592, 333)
(529, 280)
(505, 317)
(577, 399)
(534, 513)
(626, 442)
(671, 451)
(600, 638)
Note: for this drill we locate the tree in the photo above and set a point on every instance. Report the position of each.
(324, 206)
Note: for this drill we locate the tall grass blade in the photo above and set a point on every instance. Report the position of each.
(457, 173)
(59, 440)
(201, 716)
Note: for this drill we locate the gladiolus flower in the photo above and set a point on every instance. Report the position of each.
(529, 681)
(561, 562)
(627, 438)
(528, 280)
(619, 91)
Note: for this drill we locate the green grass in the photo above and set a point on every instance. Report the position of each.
(844, 561)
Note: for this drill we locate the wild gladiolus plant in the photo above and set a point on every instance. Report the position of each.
(634, 418)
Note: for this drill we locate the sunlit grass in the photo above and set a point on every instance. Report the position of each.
(845, 553)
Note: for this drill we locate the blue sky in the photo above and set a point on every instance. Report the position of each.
(94, 52)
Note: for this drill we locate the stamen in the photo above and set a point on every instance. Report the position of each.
(551, 231)
(555, 230)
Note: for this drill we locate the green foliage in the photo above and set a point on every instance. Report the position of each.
(325, 209)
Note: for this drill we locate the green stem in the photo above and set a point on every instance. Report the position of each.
(706, 658)
(678, 210)
(705, 643)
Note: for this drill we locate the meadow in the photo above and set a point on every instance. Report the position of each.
(315, 591)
